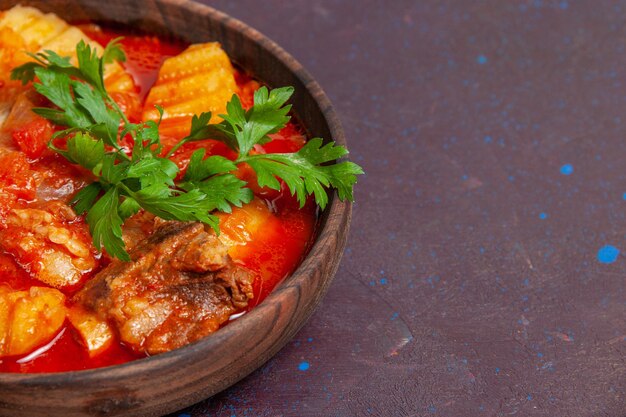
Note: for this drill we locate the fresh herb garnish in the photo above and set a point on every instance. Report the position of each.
(143, 178)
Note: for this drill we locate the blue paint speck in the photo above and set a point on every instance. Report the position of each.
(464, 177)
(432, 409)
(567, 169)
(539, 355)
(304, 366)
(529, 397)
(497, 371)
(383, 281)
(310, 339)
(624, 196)
(563, 4)
(608, 254)
(394, 316)
(372, 283)
(481, 59)
(543, 216)
(488, 139)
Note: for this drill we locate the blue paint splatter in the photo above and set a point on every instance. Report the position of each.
(481, 59)
(304, 366)
(432, 280)
(539, 355)
(567, 169)
(608, 254)
(394, 316)
(529, 397)
(543, 216)
(488, 139)
(310, 339)
(383, 281)
(624, 196)
(497, 371)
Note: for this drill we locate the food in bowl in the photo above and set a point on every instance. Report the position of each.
(150, 193)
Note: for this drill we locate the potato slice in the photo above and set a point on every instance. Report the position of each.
(5, 320)
(26, 29)
(200, 79)
(29, 319)
(34, 27)
(243, 224)
(95, 332)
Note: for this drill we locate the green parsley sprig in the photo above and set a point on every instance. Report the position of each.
(142, 178)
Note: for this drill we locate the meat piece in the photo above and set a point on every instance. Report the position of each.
(49, 243)
(180, 286)
(137, 228)
(96, 334)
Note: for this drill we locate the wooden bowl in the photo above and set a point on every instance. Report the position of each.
(174, 380)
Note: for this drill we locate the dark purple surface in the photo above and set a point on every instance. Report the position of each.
(474, 283)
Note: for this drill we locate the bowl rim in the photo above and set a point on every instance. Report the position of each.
(318, 252)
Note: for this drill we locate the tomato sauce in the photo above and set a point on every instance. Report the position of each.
(272, 254)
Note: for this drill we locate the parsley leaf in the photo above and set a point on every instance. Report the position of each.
(105, 224)
(303, 173)
(84, 150)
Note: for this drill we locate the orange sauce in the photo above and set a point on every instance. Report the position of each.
(271, 255)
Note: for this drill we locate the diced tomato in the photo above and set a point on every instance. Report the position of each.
(32, 137)
(16, 177)
(247, 87)
(129, 104)
(14, 276)
(289, 139)
(213, 147)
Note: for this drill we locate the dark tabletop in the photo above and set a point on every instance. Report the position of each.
(483, 274)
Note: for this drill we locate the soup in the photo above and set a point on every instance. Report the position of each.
(66, 304)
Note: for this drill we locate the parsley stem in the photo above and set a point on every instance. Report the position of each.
(176, 147)
(117, 108)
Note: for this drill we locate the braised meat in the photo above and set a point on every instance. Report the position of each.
(180, 286)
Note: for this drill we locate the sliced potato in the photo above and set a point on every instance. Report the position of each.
(33, 26)
(26, 29)
(29, 319)
(200, 79)
(5, 320)
(241, 226)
